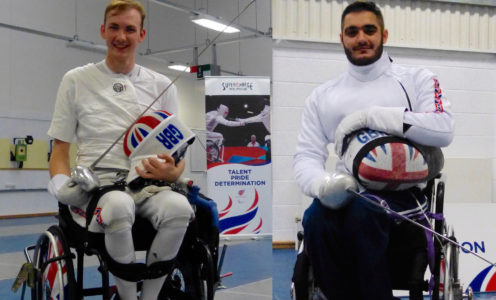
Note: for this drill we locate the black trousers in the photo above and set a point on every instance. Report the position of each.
(360, 252)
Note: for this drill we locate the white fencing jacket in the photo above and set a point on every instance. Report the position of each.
(94, 106)
(379, 84)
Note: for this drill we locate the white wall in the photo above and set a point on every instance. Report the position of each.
(468, 81)
(459, 26)
(32, 66)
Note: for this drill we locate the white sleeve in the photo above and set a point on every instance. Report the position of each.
(311, 149)
(169, 100)
(64, 118)
(254, 119)
(431, 123)
(265, 113)
(226, 122)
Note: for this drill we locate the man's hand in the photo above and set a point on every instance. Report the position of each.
(385, 119)
(161, 168)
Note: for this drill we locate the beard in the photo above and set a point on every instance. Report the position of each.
(366, 60)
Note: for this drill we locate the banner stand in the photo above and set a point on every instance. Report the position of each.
(239, 168)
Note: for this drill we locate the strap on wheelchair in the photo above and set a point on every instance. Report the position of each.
(138, 271)
(140, 182)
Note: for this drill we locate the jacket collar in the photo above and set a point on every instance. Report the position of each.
(102, 65)
(372, 71)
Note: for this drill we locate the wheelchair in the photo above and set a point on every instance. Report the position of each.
(193, 274)
(441, 258)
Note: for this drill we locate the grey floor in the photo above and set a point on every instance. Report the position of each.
(247, 260)
(259, 290)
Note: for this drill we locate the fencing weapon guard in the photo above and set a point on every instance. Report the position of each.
(85, 178)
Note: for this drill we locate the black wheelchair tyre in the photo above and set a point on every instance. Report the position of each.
(53, 269)
(191, 278)
(303, 282)
(183, 283)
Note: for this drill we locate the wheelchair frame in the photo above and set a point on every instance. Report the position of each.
(194, 273)
(444, 283)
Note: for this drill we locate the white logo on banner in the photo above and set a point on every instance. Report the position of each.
(237, 86)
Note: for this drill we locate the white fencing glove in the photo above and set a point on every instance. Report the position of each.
(67, 191)
(73, 190)
(385, 119)
(332, 189)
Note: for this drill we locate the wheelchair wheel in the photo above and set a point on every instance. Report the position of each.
(190, 279)
(305, 290)
(54, 271)
(450, 288)
(183, 283)
(303, 286)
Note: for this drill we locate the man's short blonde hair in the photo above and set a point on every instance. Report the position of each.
(123, 5)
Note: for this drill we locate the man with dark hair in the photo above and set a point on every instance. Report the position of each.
(348, 239)
(359, 6)
(369, 29)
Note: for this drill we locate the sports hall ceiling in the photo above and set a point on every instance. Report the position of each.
(171, 35)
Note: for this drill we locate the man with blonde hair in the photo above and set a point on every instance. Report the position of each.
(94, 106)
(118, 6)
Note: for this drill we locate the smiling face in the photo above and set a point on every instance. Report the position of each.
(362, 38)
(122, 32)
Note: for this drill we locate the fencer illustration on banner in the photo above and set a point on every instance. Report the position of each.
(239, 152)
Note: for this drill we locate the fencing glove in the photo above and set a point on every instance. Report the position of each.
(385, 119)
(332, 189)
(67, 191)
(73, 190)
